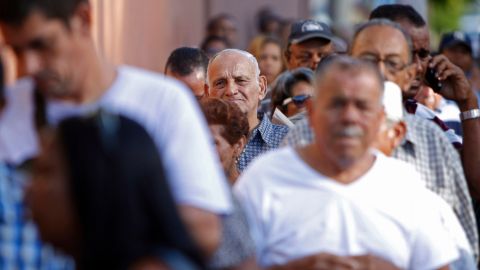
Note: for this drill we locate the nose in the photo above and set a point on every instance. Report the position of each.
(29, 64)
(349, 114)
(314, 61)
(231, 89)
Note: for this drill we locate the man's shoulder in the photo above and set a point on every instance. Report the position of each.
(424, 129)
(271, 163)
(386, 165)
(145, 89)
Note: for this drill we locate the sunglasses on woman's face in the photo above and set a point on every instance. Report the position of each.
(299, 100)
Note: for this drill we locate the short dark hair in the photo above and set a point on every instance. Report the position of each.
(185, 60)
(228, 115)
(213, 22)
(15, 12)
(398, 12)
(212, 38)
(335, 63)
(284, 85)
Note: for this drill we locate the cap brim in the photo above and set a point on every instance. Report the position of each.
(311, 36)
(340, 45)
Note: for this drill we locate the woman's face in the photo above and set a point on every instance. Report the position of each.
(299, 89)
(226, 152)
(48, 196)
(270, 61)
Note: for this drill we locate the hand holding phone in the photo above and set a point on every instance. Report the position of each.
(432, 80)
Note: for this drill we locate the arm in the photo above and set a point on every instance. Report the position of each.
(204, 227)
(457, 87)
(325, 261)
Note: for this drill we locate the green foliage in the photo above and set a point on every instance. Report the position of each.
(444, 15)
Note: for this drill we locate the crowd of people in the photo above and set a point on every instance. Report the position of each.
(304, 152)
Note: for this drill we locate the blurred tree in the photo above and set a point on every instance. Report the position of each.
(444, 15)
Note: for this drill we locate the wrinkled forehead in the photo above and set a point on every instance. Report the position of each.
(350, 83)
(380, 39)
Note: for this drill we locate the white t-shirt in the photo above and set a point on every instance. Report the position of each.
(294, 211)
(172, 117)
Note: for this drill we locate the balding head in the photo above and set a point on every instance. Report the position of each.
(234, 75)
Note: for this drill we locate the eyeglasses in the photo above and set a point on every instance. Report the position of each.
(392, 65)
(299, 100)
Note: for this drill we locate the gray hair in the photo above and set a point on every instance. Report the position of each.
(247, 55)
(334, 63)
(385, 22)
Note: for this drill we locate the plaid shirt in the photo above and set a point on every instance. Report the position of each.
(264, 137)
(20, 246)
(425, 147)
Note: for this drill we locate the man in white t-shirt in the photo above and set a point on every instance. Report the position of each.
(53, 44)
(335, 202)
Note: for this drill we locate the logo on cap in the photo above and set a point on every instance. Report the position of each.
(311, 26)
(459, 35)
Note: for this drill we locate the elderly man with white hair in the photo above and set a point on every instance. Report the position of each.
(234, 75)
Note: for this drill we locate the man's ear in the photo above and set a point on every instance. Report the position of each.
(82, 18)
(399, 130)
(262, 83)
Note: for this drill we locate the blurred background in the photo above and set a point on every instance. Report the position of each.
(144, 32)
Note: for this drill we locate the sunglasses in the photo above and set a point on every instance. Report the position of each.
(299, 100)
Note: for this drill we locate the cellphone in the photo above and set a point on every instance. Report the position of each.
(432, 80)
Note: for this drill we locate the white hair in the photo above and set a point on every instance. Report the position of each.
(247, 55)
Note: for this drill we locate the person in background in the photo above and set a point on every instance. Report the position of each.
(455, 86)
(270, 59)
(99, 193)
(229, 127)
(268, 22)
(291, 93)
(224, 25)
(457, 47)
(212, 45)
(309, 42)
(189, 65)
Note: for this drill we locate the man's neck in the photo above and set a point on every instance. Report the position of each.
(98, 78)
(345, 174)
(253, 121)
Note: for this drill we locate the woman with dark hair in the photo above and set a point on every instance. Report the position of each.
(291, 91)
(229, 127)
(99, 194)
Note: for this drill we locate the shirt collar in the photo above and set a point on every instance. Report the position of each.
(266, 131)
